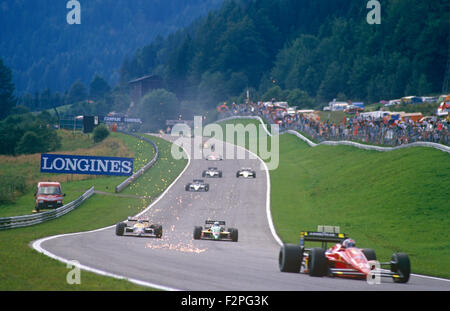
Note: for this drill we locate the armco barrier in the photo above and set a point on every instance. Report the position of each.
(370, 147)
(345, 142)
(136, 175)
(29, 220)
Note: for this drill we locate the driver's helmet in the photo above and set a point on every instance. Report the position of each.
(216, 223)
(348, 243)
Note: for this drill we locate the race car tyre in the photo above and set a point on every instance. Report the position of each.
(158, 231)
(237, 174)
(254, 174)
(187, 187)
(207, 188)
(369, 253)
(197, 233)
(204, 174)
(290, 258)
(318, 265)
(120, 228)
(220, 174)
(234, 234)
(400, 264)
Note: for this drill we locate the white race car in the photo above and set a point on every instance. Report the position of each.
(246, 173)
(197, 185)
(212, 172)
(139, 227)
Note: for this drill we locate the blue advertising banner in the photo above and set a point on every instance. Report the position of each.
(87, 165)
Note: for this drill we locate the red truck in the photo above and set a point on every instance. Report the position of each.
(48, 195)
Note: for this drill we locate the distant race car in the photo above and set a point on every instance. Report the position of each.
(344, 259)
(140, 227)
(214, 157)
(197, 185)
(212, 147)
(212, 172)
(246, 173)
(215, 230)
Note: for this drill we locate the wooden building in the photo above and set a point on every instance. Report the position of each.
(141, 86)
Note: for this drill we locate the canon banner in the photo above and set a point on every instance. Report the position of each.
(87, 165)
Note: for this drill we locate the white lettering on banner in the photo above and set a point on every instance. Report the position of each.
(104, 166)
(85, 168)
(45, 167)
(126, 167)
(58, 168)
(115, 166)
(86, 165)
(71, 165)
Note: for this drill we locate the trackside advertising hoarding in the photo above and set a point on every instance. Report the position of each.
(87, 165)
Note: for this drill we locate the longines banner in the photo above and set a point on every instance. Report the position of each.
(87, 165)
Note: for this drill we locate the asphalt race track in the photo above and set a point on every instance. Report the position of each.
(179, 262)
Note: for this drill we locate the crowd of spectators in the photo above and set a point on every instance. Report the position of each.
(381, 130)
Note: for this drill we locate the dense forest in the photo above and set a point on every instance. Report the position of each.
(308, 52)
(44, 51)
(302, 51)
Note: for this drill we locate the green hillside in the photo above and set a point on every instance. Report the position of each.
(388, 201)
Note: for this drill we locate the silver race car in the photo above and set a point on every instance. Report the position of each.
(197, 185)
(140, 227)
(212, 172)
(215, 230)
(246, 173)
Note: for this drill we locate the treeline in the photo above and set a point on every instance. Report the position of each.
(45, 52)
(306, 51)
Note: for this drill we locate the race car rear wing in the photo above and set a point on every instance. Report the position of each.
(211, 222)
(136, 219)
(324, 234)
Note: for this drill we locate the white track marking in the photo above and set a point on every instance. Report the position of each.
(272, 228)
(37, 244)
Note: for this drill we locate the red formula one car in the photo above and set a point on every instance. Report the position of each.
(344, 259)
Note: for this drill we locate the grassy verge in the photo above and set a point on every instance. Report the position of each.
(26, 168)
(25, 269)
(392, 201)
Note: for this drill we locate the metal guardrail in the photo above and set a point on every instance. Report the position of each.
(346, 142)
(136, 175)
(370, 147)
(29, 220)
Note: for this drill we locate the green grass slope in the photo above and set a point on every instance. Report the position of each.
(389, 201)
(23, 268)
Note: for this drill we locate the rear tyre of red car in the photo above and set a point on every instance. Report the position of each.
(290, 258)
(120, 228)
(197, 233)
(317, 263)
(401, 265)
(369, 253)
